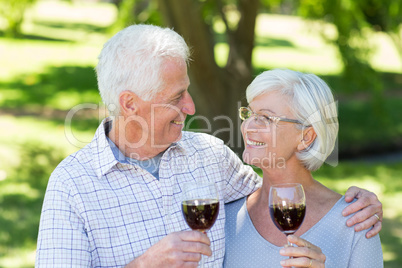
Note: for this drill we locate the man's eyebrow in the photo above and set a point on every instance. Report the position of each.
(178, 93)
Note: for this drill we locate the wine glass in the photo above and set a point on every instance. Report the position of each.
(287, 206)
(200, 206)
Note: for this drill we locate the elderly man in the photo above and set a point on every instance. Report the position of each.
(117, 201)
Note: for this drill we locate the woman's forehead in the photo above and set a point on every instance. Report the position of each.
(271, 102)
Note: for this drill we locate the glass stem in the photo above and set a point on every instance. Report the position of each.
(290, 245)
(202, 261)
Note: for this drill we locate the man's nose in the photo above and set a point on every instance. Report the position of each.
(188, 105)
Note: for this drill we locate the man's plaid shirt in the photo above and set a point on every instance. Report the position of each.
(102, 212)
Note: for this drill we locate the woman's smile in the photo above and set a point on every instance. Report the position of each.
(254, 143)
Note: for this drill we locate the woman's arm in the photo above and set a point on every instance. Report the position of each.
(366, 253)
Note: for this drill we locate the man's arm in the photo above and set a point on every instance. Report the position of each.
(366, 206)
(240, 179)
(180, 249)
(62, 240)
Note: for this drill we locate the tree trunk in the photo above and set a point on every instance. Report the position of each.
(216, 91)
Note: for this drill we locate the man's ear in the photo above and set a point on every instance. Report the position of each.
(128, 102)
(307, 138)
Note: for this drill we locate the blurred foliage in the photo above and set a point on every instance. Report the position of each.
(55, 87)
(385, 16)
(37, 162)
(21, 196)
(136, 11)
(360, 133)
(352, 20)
(13, 11)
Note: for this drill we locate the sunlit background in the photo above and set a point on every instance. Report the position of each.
(47, 69)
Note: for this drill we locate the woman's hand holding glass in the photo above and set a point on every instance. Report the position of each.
(287, 207)
(304, 255)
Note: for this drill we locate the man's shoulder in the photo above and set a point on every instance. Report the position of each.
(197, 139)
(78, 158)
(74, 164)
(205, 145)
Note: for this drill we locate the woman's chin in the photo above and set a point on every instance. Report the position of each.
(251, 161)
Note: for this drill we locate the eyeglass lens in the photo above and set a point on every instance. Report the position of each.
(246, 113)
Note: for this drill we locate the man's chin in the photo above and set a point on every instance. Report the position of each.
(169, 142)
(178, 137)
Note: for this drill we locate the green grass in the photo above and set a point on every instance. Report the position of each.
(51, 71)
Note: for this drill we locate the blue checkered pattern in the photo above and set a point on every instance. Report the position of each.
(99, 212)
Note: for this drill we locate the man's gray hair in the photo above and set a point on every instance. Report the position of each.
(312, 103)
(132, 60)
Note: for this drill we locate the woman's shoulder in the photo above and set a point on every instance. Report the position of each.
(234, 212)
(235, 205)
(336, 211)
(347, 248)
(332, 226)
(334, 221)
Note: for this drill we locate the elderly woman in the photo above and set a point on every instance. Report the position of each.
(290, 129)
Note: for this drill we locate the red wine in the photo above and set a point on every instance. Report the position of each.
(288, 219)
(200, 214)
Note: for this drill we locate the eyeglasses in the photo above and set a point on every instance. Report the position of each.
(263, 120)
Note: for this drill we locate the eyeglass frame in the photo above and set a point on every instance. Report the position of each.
(270, 118)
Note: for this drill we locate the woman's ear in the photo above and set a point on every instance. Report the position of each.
(128, 103)
(307, 138)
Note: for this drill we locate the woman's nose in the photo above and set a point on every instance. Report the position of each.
(251, 125)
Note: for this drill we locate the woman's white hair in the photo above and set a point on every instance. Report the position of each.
(312, 103)
(132, 60)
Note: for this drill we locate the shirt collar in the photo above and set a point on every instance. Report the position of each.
(103, 155)
(179, 145)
